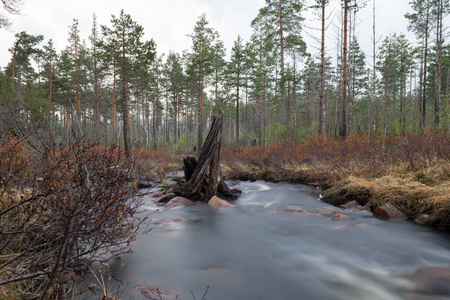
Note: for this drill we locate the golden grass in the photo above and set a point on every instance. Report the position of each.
(413, 188)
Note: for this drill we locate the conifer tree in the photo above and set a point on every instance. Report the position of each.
(234, 76)
(201, 57)
(281, 21)
(133, 52)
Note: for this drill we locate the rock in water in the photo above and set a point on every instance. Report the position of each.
(151, 293)
(216, 202)
(179, 201)
(304, 212)
(340, 217)
(388, 212)
(164, 222)
(433, 280)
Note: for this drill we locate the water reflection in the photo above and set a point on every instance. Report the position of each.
(254, 252)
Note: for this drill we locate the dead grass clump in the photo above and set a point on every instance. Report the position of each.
(353, 188)
(411, 197)
(441, 208)
(156, 163)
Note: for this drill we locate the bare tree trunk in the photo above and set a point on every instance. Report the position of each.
(200, 108)
(12, 79)
(282, 106)
(203, 177)
(167, 118)
(114, 104)
(373, 119)
(288, 112)
(322, 74)
(237, 109)
(155, 113)
(343, 127)
(97, 100)
(424, 96)
(126, 139)
(437, 85)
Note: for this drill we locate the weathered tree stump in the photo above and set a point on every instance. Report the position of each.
(203, 178)
(189, 164)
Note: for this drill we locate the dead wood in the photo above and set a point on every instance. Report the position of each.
(203, 179)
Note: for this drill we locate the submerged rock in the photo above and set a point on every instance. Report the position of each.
(216, 202)
(305, 212)
(358, 225)
(151, 293)
(328, 210)
(340, 217)
(180, 201)
(425, 219)
(354, 205)
(433, 280)
(164, 222)
(388, 212)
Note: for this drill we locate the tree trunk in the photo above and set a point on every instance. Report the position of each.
(114, 103)
(126, 140)
(343, 127)
(77, 84)
(12, 78)
(237, 109)
(203, 177)
(167, 119)
(282, 75)
(97, 101)
(322, 73)
(424, 95)
(437, 85)
(200, 108)
(155, 112)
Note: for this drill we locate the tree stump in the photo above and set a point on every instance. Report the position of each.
(203, 178)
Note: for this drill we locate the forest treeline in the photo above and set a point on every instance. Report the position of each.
(116, 88)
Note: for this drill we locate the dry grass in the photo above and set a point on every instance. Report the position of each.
(156, 163)
(412, 172)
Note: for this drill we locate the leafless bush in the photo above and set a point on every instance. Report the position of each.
(79, 212)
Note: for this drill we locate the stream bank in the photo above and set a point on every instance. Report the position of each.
(389, 196)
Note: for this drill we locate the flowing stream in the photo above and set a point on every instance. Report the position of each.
(253, 251)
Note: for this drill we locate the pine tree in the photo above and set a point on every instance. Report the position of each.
(49, 59)
(234, 77)
(133, 52)
(94, 38)
(201, 57)
(24, 48)
(74, 48)
(321, 4)
(281, 21)
(419, 23)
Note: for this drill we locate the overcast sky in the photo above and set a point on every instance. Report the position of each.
(169, 21)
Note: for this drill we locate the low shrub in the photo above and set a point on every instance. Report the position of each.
(78, 212)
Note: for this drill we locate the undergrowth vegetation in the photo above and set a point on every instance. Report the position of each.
(60, 213)
(411, 171)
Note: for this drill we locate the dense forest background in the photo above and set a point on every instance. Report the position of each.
(116, 88)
